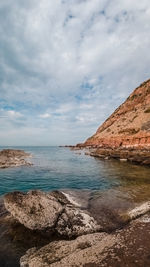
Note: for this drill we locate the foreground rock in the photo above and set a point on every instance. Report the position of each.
(129, 246)
(13, 158)
(56, 212)
(35, 210)
(62, 253)
(52, 212)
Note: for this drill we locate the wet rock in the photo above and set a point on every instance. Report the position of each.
(37, 210)
(139, 210)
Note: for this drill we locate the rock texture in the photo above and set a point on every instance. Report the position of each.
(62, 253)
(37, 210)
(139, 156)
(129, 246)
(75, 222)
(129, 125)
(13, 158)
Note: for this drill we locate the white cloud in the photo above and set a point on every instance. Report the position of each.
(45, 116)
(14, 114)
(71, 61)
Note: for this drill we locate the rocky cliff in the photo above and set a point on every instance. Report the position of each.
(129, 125)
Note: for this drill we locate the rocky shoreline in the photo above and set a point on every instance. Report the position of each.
(13, 158)
(59, 231)
(135, 156)
(131, 155)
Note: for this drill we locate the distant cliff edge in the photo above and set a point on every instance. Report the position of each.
(128, 126)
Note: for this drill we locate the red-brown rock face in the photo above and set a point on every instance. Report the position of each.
(129, 125)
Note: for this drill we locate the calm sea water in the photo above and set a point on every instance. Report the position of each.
(58, 168)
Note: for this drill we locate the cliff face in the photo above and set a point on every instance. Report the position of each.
(129, 125)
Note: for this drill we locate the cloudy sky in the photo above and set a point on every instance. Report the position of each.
(66, 65)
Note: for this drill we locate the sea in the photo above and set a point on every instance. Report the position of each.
(56, 168)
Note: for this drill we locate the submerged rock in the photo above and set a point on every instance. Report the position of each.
(37, 210)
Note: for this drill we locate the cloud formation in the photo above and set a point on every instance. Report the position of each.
(66, 65)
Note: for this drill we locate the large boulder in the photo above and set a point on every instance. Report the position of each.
(37, 210)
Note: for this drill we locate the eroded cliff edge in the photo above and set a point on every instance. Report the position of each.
(129, 125)
(125, 134)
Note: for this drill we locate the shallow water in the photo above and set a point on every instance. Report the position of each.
(58, 168)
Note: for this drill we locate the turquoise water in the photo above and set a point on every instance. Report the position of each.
(58, 168)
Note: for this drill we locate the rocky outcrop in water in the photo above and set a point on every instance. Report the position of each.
(13, 158)
(52, 212)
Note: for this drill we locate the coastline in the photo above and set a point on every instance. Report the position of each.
(131, 154)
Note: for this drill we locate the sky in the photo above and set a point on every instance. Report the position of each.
(66, 65)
